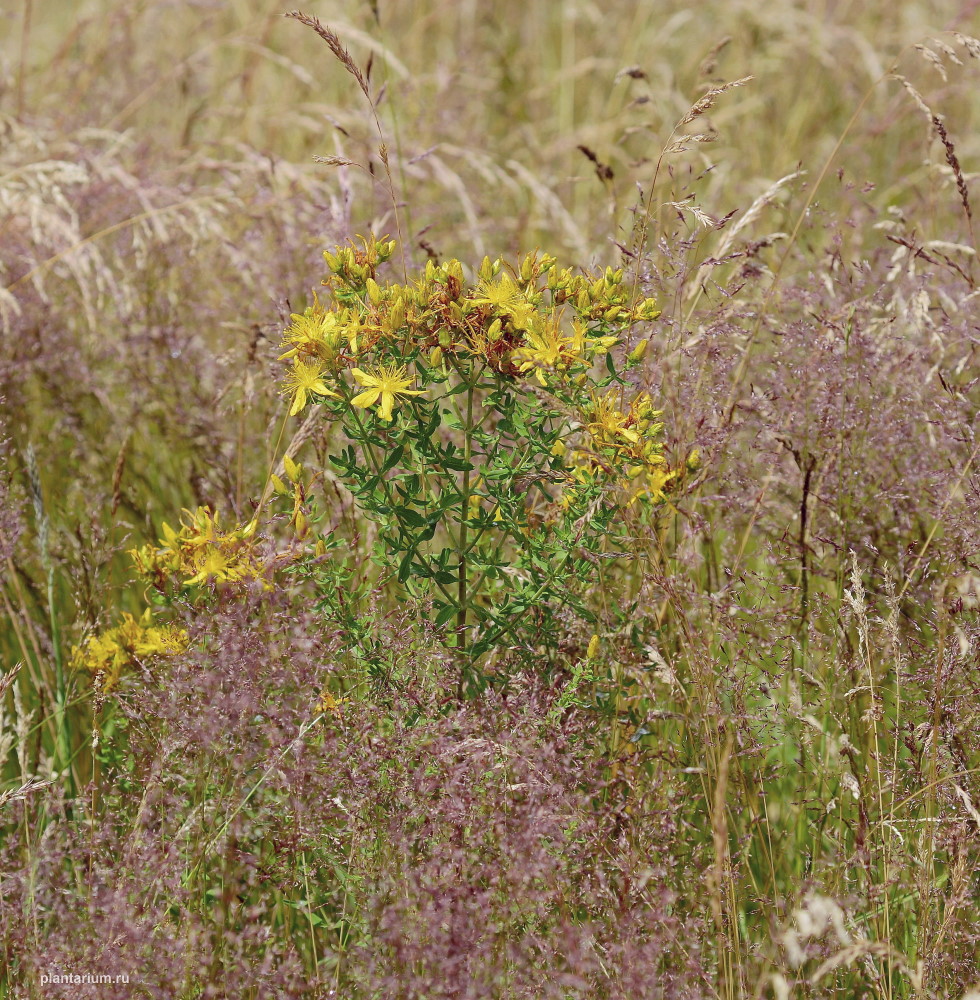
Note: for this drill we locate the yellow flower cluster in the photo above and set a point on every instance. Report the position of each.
(605, 299)
(622, 440)
(530, 321)
(548, 349)
(200, 552)
(107, 655)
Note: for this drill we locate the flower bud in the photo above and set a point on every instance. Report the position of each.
(636, 355)
(647, 310)
(396, 314)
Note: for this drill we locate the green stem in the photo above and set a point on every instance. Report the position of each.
(517, 619)
(462, 596)
(63, 754)
(376, 464)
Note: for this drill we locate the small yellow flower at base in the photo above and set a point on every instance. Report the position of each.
(385, 382)
(305, 378)
(328, 703)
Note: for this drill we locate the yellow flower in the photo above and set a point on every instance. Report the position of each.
(385, 382)
(314, 332)
(328, 703)
(546, 347)
(306, 377)
(201, 552)
(503, 296)
(607, 423)
(580, 343)
(107, 655)
(215, 564)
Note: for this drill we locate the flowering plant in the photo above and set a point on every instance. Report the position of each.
(497, 459)
(494, 460)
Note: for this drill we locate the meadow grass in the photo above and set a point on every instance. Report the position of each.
(762, 779)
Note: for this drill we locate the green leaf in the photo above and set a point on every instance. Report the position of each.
(405, 569)
(410, 517)
(448, 612)
(393, 459)
(428, 531)
(459, 464)
(480, 647)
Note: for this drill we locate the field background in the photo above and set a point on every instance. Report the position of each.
(768, 784)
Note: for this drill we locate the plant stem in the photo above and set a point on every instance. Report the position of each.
(463, 530)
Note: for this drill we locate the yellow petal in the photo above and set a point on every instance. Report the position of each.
(367, 398)
(387, 401)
